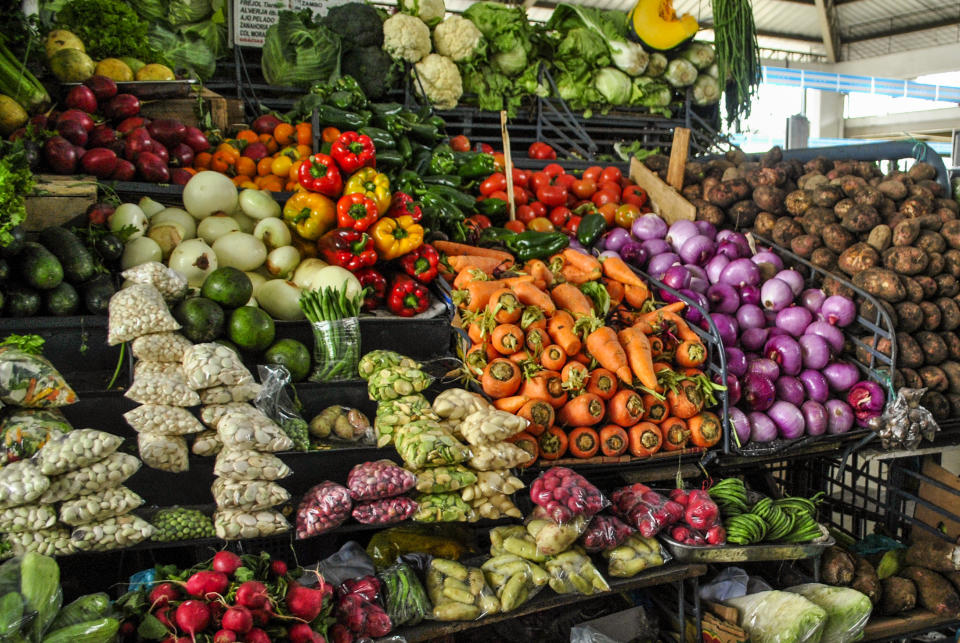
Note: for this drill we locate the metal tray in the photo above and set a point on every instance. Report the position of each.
(745, 553)
(154, 89)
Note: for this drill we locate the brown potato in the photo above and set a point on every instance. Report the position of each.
(708, 212)
(947, 285)
(880, 238)
(910, 316)
(951, 260)
(906, 232)
(805, 244)
(827, 196)
(937, 264)
(692, 191)
(949, 313)
(906, 260)
(927, 285)
(898, 595)
(910, 378)
(721, 195)
(914, 290)
(837, 238)
(763, 225)
(861, 218)
(931, 315)
(843, 207)
(857, 257)
(850, 184)
(938, 406)
(824, 258)
(743, 214)
(833, 286)
(920, 171)
(816, 219)
(785, 230)
(930, 241)
(869, 196)
(916, 206)
(951, 233)
(881, 283)
(953, 343)
(934, 378)
(798, 202)
(934, 348)
(770, 199)
(909, 353)
(895, 190)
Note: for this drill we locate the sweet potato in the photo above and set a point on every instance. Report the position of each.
(785, 230)
(824, 258)
(865, 580)
(798, 202)
(881, 283)
(861, 218)
(911, 379)
(951, 370)
(899, 595)
(880, 237)
(827, 196)
(933, 591)
(937, 264)
(927, 285)
(906, 260)
(934, 349)
(836, 567)
(949, 313)
(909, 353)
(930, 241)
(914, 290)
(805, 244)
(906, 232)
(931, 316)
(910, 316)
(953, 344)
(858, 257)
(934, 378)
(895, 190)
(937, 404)
(837, 238)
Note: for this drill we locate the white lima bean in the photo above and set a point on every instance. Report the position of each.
(167, 369)
(244, 431)
(249, 495)
(27, 518)
(21, 483)
(491, 426)
(211, 414)
(160, 347)
(49, 542)
(502, 455)
(246, 464)
(234, 524)
(99, 506)
(110, 472)
(227, 394)
(213, 364)
(162, 419)
(458, 403)
(206, 444)
(162, 389)
(76, 449)
(136, 311)
(164, 452)
(112, 533)
(171, 284)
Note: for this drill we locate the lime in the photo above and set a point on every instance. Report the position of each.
(292, 354)
(251, 329)
(228, 287)
(201, 319)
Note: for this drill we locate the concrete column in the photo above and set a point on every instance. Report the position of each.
(825, 111)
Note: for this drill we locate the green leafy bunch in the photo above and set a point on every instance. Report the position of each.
(108, 28)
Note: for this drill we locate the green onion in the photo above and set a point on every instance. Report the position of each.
(738, 56)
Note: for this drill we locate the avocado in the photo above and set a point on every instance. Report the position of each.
(202, 319)
(292, 354)
(62, 300)
(251, 329)
(97, 293)
(229, 287)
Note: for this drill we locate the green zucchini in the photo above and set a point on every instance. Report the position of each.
(77, 262)
(62, 300)
(39, 267)
(101, 630)
(85, 608)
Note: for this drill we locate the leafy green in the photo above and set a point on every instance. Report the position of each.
(32, 344)
(182, 12)
(783, 617)
(847, 610)
(494, 90)
(581, 49)
(212, 32)
(298, 51)
(16, 182)
(188, 52)
(107, 28)
(507, 32)
(613, 85)
(610, 26)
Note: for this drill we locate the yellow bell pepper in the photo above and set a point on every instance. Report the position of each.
(371, 184)
(310, 214)
(396, 237)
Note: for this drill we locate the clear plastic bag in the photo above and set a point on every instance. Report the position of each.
(164, 452)
(500, 455)
(645, 510)
(226, 394)
(514, 580)
(99, 506)
(17, 616)
(324, 507)
(336, 350)
(171, 284)
(490, 427)
(180, 523)
(245, 464)
(160, 347)
(847, 610)
(76, 449)
(21, 483)
(396, 413)
(443, 507)
(162, 419)
(110, 472)
(112, 533)
(274, 403)
(138, 310)
(445, 479)
(780, 617)
(457, 403)
(243, 431)
(235, 524)
(162, 389)
(604, 532)
(167, 369)
(338, 423)
(404, 596)
(423, 443)
(27, 518)
(566, 494)
(634, 555)
(458, 592)
(553, 538)
(380, 359)
(359, 609)
(213, 364)
(25, 431)
(211, 414)
(515, 540)
(206, 444)
(396, 381)
(384, 511)
(904, 422)
(31, 381)
(445, 541)
(572, 572)
(491, 483)
(55, 541)
(379, 479)
(495, 507)
(250, 495)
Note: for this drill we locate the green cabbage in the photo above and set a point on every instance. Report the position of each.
(780, 617)
(847, 610)
(614, 85)
(183, 52)
(581, 49)
(507, 32)
(182, 12)
(298, 52)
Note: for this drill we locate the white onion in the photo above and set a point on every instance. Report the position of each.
(273, 232)
(240, 250)
(167, 235)
(176, 215)
(246, 223)
(259, 204)
(194, 259)
(257, 280)
(209, 192)
(281, 262)
(281, 299)
(140, 250)
(307, 271)
(150, 207)
(129, 215)
(214, 227)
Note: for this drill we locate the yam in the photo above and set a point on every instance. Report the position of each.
(934, 378)
(951, 371)
(798, 202)
(837, 238)
(836, 567)
(951, 260)
(906, 232)
(930, 241)
(911, 379)
(861, 218)
(937, 404)
(953, 344)
(934, 349)
(909, 353)
(934, 592)
(947, 286)
(937, 264)
(895, 190)
(899, 595)
(906, 260)
(881, 283)
(931, 316)
(865, 580)
(858, 257)
(786, 229)
(770, 198)
(910, 316)
(824, 258)
(827, 196)
(914, 290)
(927, 285)
(949, 313)
(805, 244)
(880, 238)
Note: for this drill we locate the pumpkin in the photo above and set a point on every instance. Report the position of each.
(655, 24)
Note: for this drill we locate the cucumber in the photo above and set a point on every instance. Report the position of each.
(97, 293)
(39, 267)
(13, 248)
(22, 302)
(85, 608)
(62, 300)
(78, 264)
(101, 630)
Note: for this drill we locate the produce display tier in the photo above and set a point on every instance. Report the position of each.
(910, 624)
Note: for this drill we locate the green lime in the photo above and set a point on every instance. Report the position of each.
(292, 354)
(228, 287)
(251, 329)
(201, 319)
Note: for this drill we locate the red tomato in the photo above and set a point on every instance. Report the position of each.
(539, 180)
(625, 215)
(539, 209)
(608, 210)
(515, 226)
(520, 196)
(634, 194)
(572, 225)
(605, 196)
(478, 222)
(541, 151)
(566, 180)
(460, 143)
(584, 188)
(541, 224)
(611, 186)
(553, 170)
(494, 182)
(610, 173)
(526, 214)
(499, 194)
(552, 195)
(486, 148)
(560, 215)
(520, 177)
(593, 173)
(499, 161)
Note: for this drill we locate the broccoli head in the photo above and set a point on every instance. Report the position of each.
(372, 67)
(358, 25)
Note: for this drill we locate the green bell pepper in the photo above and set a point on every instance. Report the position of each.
(495, 235)
(382, 139)
(492, 207)
(342, 119)
(475, 165)
(442, 161)
(537, 245)
(590, 229)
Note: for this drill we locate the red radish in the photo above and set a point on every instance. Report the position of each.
(178, 639)
(340, 633)
(163, 615)
(207, 584)
(252, 595)
(196, 139)
(125, 171)
(265, 124)
(193, 617)
(127, 628)
(164, 592)
(279, 568)
(238, 619)
(261, 617)
(256, 635)
(82, 97)
(224, 636)
(304, 602)
(303, 633)
(104, 88)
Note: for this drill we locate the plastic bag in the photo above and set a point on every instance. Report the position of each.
(344, 424)
(164, 452)
(396, 381)
(904, 422)
(604, 532)
(358, 608)
(491, 483)
(443, 507)
(213, 364)
(572, 572)
(423, 443)
(514, 539)
(404, 597)
(160, 347)
(76, 449)
(456, 403)
(49, 542)
(444, 541)
(21, 483)
(324, 507)
(780, 617)
(552, 538)
(490, 426)
(227, 394)
(495, 507)
(244, 431)
(110, 472)
(245, 464)
(350, 561)
(500, 455)
(380, 479)
(162, 419)
(24, 432)
(171, 284)
(336, 350)
(136, 311)
(396, 413)
(380, 359)
(847, 610)
(634, 555)
(99, 506)
(274, 403)
(112, 533)
(645, 510)
(235, 524)
(162, 389)
(31, 381)
(445, 478)
(565, 494)
(27, 518)
(206, 444)
(179, 523)
(459, 593)
(250, 495)
(515, 580)
(385, 511)
(167, 369)
(211, 414)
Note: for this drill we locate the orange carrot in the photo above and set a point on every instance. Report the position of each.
(487, 264)
(475, 359)
(539, 271)
(521, 358)
(705, 429)
(530, 295)
(682, 329)
(545, 385)
(560, 327)
(615, 290)
(553, 357)
(569, 298)
(507, 339)
(655, 410)
(553, 443)
(501, 378)
(511, 282)
(574, 376)
(583, 357)
(537, 340)
(584, 410)
(452, 249)
(476, 295)
(639, 356)
(602, 383)
(606, 349)
(675, 434)
(583, 442)
(533, 317)
(616, 268)
(464, 277)
(625, 409)
(690, 353)
(658, 348)
(656, 316)
(636, 296)
(539, 414)
(686, 400)
(528, 443)
(613, 440)
(511, 404)
(504, 306)
(645, 439)
(580, 260)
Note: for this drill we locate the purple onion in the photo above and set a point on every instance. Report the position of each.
(758, 392)
(666, 296)
(729, 250)
(838, 310)
(735, 238)
(750, 295)
(767, 257)
(698, 249)
(615, 239)
(736, 361)
(790, 389)
(776, 332)
(785, 351)
(753, 339)
(762, 428)
(765, 367)
(655, 247)
(727, 235)
(775, 294)
(794, 320)
(815, 351)
(788, 418)
(815, 417)
(576, 245)
(715, 267)
(793, 278)
(750, 316)
(811, 299)
(696, 272)
(815, 384)
(733, 387)
(740, 272)
(741, 424)
(839, 417)
(676, 277)
(706, 228)
(607, 253)
(699, 285)
(723, 298)
(866, 398)
(649, 226)
(726, 327)
(679, 232)
(841, 376)
(660, 263)
(633, 253)
(832, 334)
(692, 313)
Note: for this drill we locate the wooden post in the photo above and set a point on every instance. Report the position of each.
(507, 165)
(678, 157)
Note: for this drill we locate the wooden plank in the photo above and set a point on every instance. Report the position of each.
(508, 166)
(659, 576)
(57, 199)
(946, 500)
(185, 109)
(678, 157)
(889, 627)
(665, 201)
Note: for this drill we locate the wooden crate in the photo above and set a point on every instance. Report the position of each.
(57, 199)
(185, 109)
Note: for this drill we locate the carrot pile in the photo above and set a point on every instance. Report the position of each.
(579, 348)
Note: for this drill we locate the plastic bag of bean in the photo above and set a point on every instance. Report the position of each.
(164, 452)
(234, 524)
(49, 542)
(171, 284)
(444, 479)
(167, 369)
(112, 533)
(99, 506)
(250, 495)
(76, 449)
(138, 310)
(162, 419)
(206, 444)
(213, 364)
(160, 347)
(110, 472)
(21, 483)
(443, 507)
(604, 532)
(226, 394)
(380, 479)
(211, 414)
(243, 431)
(162, 389)
(245, 464)
(27, 518)
(324, 507)
(385, 511)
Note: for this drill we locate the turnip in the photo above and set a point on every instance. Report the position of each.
(238, 619)
(303, 633)
(279, 568)
(163, 594)
(193, 617)
(225, 636)
(207, 584)
(226, 562)
(256, 635)
(252, 595)
(304, 602)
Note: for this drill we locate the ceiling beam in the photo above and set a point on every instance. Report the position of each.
(826, 14)
(899, 31)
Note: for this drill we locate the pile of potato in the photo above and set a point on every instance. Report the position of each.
(894, 235)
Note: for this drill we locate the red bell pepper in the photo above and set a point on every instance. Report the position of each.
(376, 285)
(407, 297)
(402, 204)
(356, 211)
(319, 173)
(422, 264)
(353, 151)
(350, 249)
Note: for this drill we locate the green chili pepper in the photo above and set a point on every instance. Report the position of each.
(382, 139)
(537, 245)
(456, 196)
(492, 207)
(494, 235)
(590, 229)
(475, 165)
(342, 119)
(441, 161)
(449, 180)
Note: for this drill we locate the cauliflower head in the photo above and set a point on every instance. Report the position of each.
(458, 39)
(440, 79)
(406, 37)
(430, 11)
